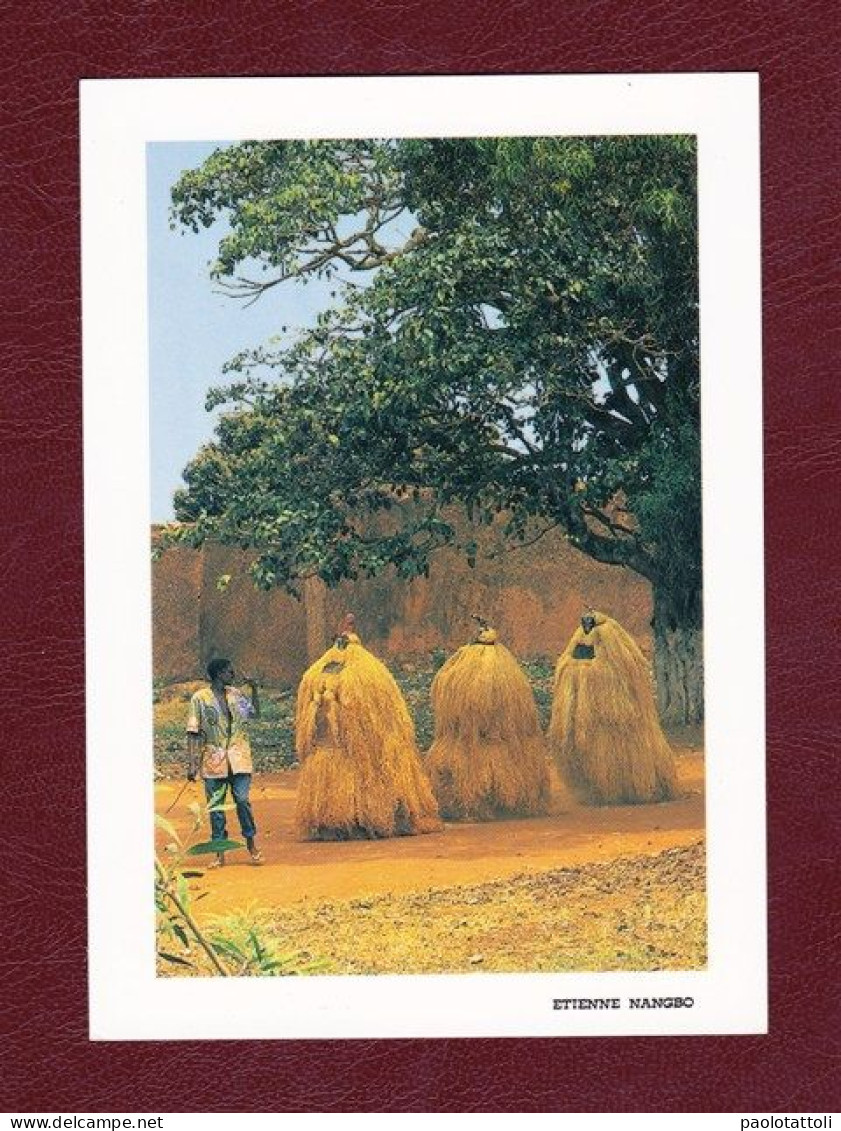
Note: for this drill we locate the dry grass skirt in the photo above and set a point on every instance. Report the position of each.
(361, 775)
(605, 733)
(489, 757)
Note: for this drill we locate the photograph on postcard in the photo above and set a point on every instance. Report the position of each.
(424, 552)
(427, 580)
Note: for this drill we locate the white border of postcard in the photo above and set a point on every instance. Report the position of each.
(119, 117)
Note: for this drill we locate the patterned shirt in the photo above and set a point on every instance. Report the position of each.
(225, 746)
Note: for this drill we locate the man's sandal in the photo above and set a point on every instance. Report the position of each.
(257, 858)
(219, 862)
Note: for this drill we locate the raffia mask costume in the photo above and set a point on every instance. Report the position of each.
(488, 758)
(605, 734)
(361, 775)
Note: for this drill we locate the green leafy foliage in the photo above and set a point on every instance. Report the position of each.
(207, 846)
(529, 349)
(229, 947)
(246, 941)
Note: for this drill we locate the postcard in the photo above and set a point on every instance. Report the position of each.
(424, 570)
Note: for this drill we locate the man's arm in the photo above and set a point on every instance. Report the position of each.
(194, 739)
(254, 697)
(193, 755)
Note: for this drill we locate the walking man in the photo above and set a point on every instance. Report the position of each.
(219, 750)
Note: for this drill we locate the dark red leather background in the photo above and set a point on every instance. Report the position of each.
(47, 1062)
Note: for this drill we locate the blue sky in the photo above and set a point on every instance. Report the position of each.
(193, 330)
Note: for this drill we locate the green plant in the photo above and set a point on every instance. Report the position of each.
(251, 953)
(175, 920)
(232, 946)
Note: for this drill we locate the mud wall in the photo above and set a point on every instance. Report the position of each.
(176, 603)
(533, 595)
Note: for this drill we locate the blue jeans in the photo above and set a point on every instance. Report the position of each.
(239, 785)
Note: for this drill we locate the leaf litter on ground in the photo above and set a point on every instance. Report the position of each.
(633, 913)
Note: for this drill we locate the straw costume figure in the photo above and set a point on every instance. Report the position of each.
(605, 734)
(489, 756)
(361, 775)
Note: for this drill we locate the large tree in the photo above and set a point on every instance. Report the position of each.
(513, 330)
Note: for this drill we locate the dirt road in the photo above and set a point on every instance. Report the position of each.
(298, 873)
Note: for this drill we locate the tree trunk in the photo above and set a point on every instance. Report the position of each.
(678, 659)
(315, 610)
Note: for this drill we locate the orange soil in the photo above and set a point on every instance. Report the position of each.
(570, 835)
